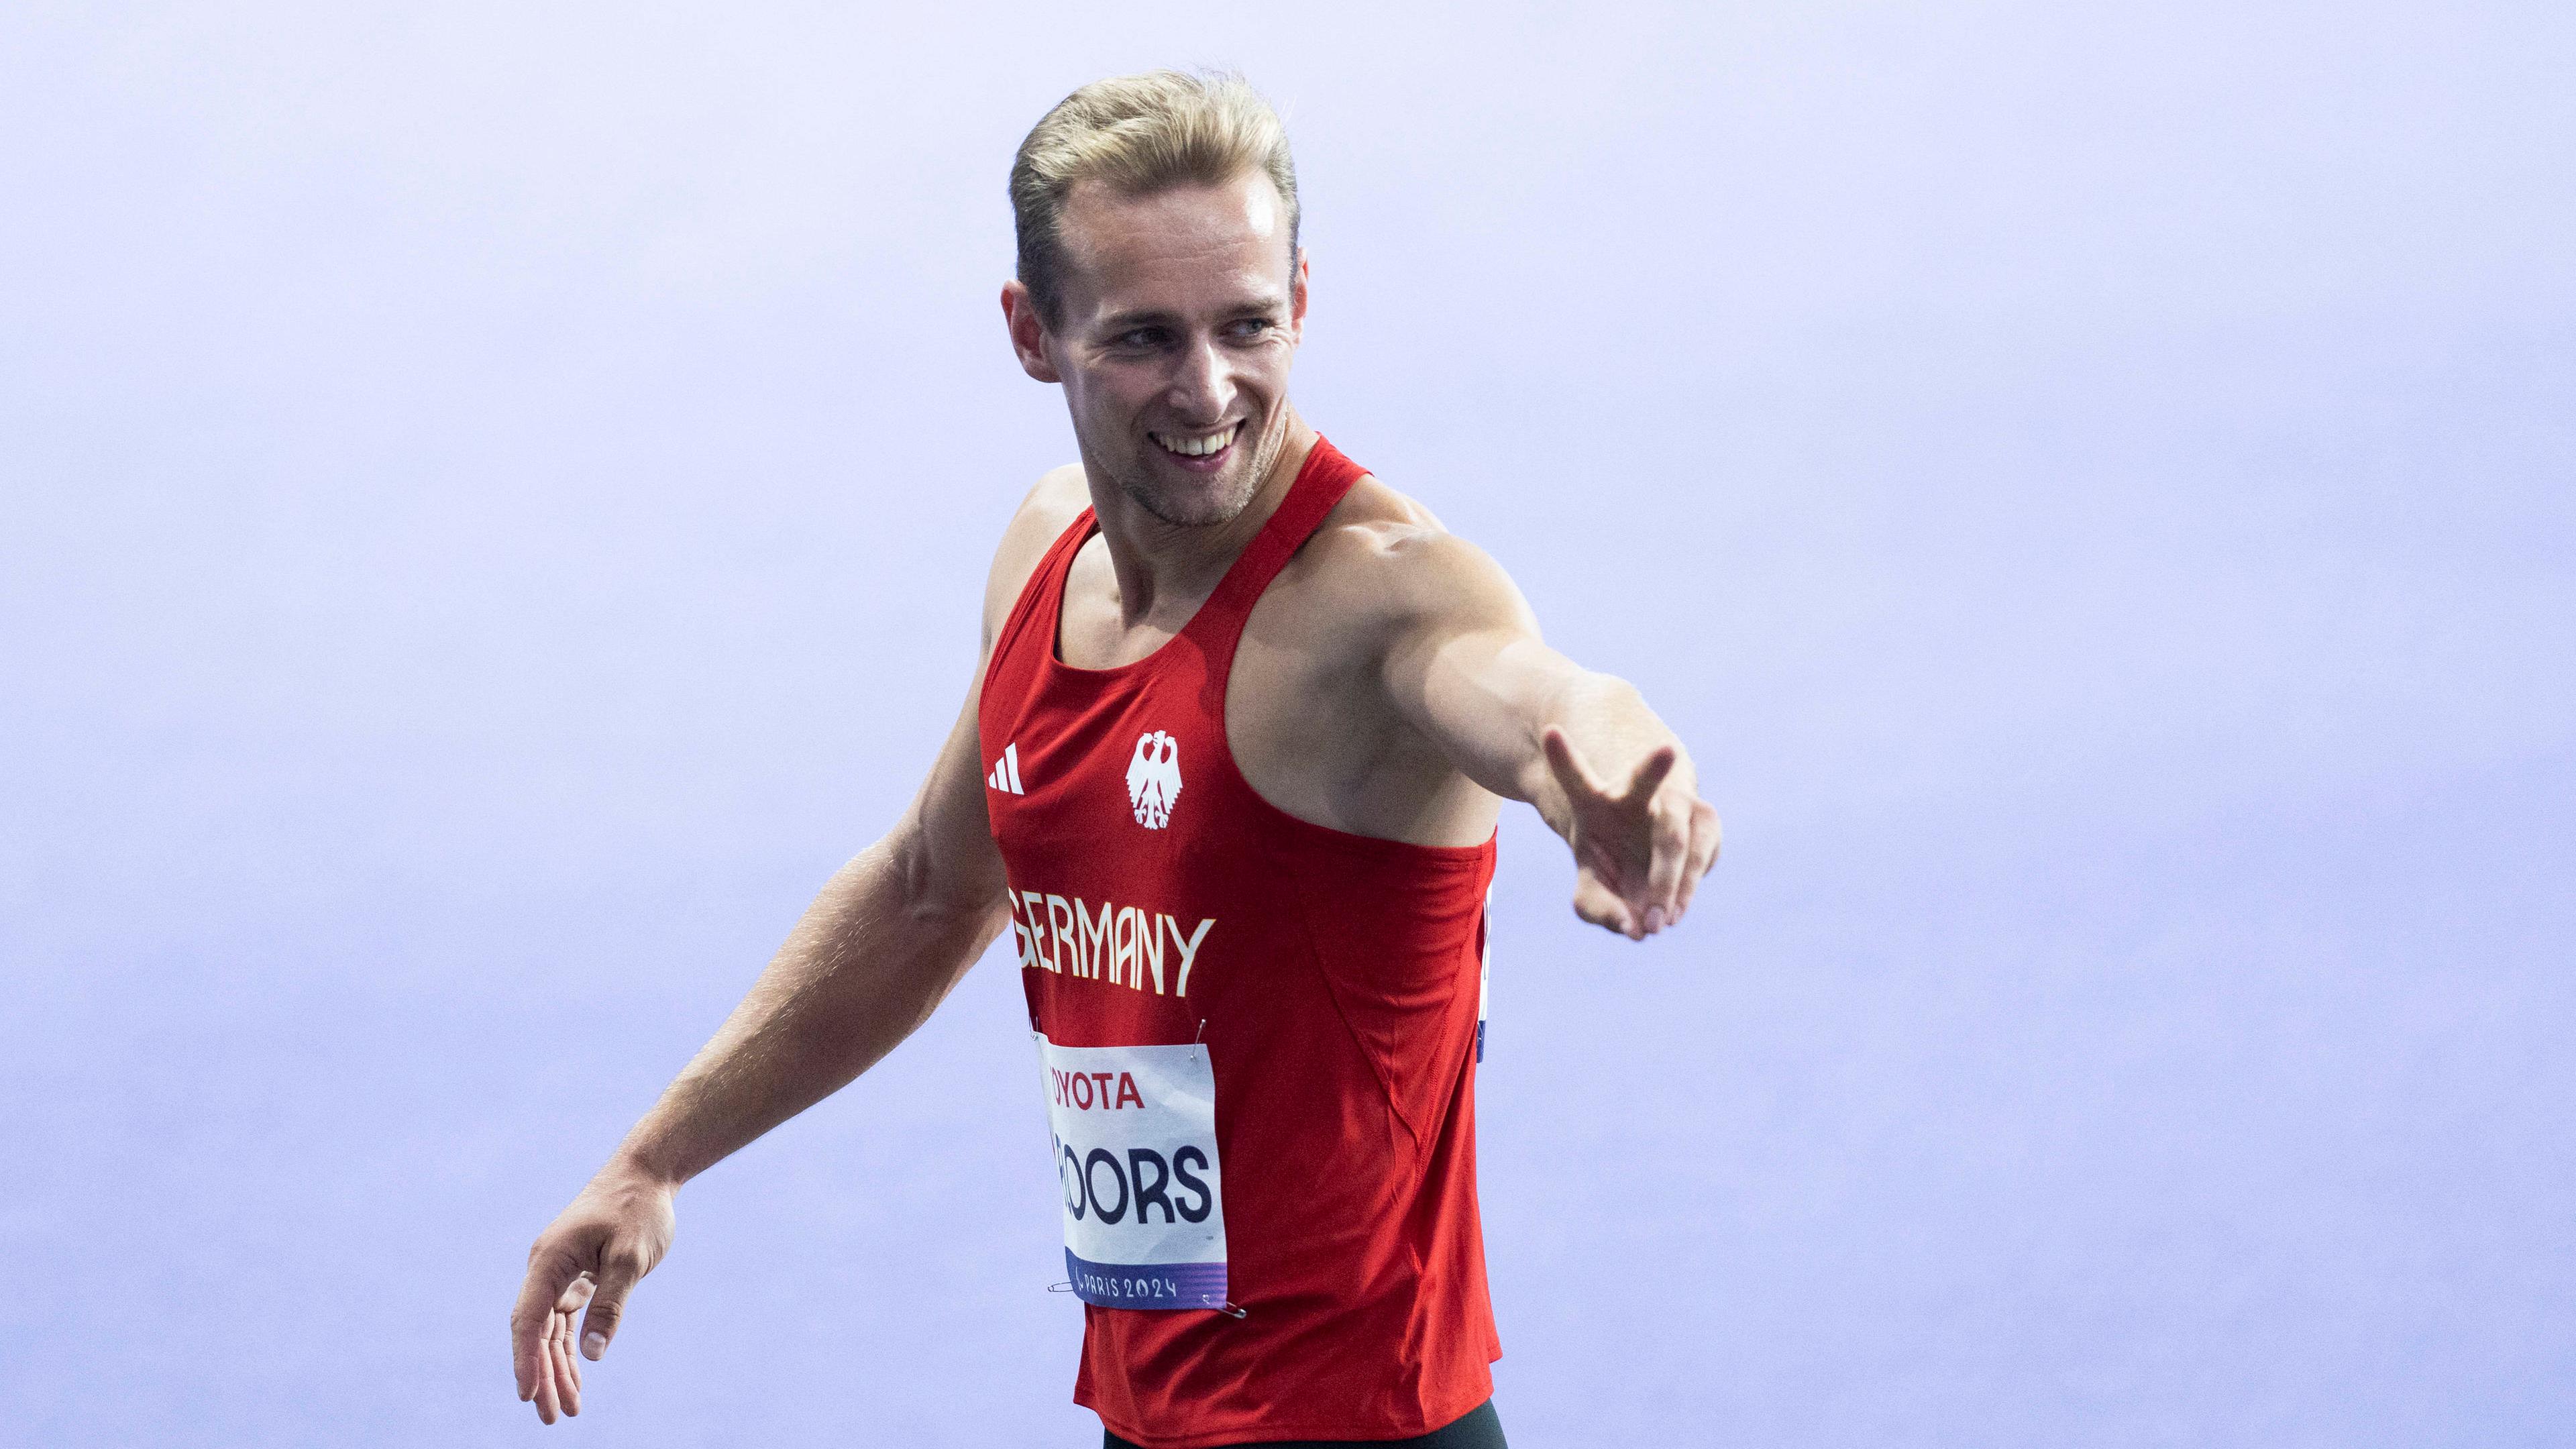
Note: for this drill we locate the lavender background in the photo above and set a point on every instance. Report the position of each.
(491, 507)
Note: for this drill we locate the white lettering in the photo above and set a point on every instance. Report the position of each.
(1124, 944)
(1093, 939)
(1060, 926)
(1122, 962)
(1037, 938)
(1147, 939)
(1019, 933)
(1189, 948)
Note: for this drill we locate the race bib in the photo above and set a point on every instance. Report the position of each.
(1135, 1152)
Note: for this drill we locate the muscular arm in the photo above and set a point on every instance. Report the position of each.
(881, 946)
(884, 941)
(1465, 666)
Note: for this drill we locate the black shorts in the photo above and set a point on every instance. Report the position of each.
(1478, 1428)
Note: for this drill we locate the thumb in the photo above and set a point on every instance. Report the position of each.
(1573, 775)
(620, 1265)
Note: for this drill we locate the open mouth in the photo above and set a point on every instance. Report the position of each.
(1204, 451)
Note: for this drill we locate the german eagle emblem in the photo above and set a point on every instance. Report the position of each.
(1154, 779)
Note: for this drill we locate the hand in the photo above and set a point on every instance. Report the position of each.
(1639, 853)
(591, 1256)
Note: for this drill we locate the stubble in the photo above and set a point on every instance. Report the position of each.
(1208, 508)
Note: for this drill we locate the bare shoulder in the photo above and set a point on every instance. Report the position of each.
(1057, 498)
(1385, 557)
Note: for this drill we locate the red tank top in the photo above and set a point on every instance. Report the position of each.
(1258, 1042)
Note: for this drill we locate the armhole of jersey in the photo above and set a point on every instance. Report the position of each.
(1321, 484)
(1033, 592)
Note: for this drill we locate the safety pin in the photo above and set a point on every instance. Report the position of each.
(1228, 1307)
(1059, 1287)
(1196, 1040)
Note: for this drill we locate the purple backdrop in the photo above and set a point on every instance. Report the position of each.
(491, 512)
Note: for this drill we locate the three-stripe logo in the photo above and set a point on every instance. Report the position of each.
(1006, 771)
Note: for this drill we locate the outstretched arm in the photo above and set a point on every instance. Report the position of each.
(880, 947)
(1466, 666)
(878, 950)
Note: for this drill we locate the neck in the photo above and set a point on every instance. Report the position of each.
(1160, 564)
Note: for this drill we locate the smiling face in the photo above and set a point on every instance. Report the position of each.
(1180, 316)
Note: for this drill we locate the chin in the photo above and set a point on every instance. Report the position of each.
(1184, 501)
(1205, 504)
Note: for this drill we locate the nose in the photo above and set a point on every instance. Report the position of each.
(1202, 385)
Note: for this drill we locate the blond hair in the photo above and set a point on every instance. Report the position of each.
(1140, 134)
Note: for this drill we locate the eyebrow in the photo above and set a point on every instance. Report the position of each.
(1149, 317)
(1121, 321)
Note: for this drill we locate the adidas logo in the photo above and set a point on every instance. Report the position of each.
(1006, 771)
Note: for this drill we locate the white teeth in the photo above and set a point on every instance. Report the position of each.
(1198, 447)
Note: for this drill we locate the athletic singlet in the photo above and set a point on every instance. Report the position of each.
(1256, 1037)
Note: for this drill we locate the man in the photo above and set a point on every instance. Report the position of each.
(1230, 771)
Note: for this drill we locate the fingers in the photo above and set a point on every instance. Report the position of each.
(1650, 774)
(1640, 852)
(558, 1373)
(567, 1366)
(1668, 826)
(568, 1363)
(1667, 836)
(549, 1398)
(1601, 906)
(550, 1273)
(567, 1371)
(1704, 840)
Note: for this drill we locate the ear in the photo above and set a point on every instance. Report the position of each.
(1028, 331)
(1297, 282)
